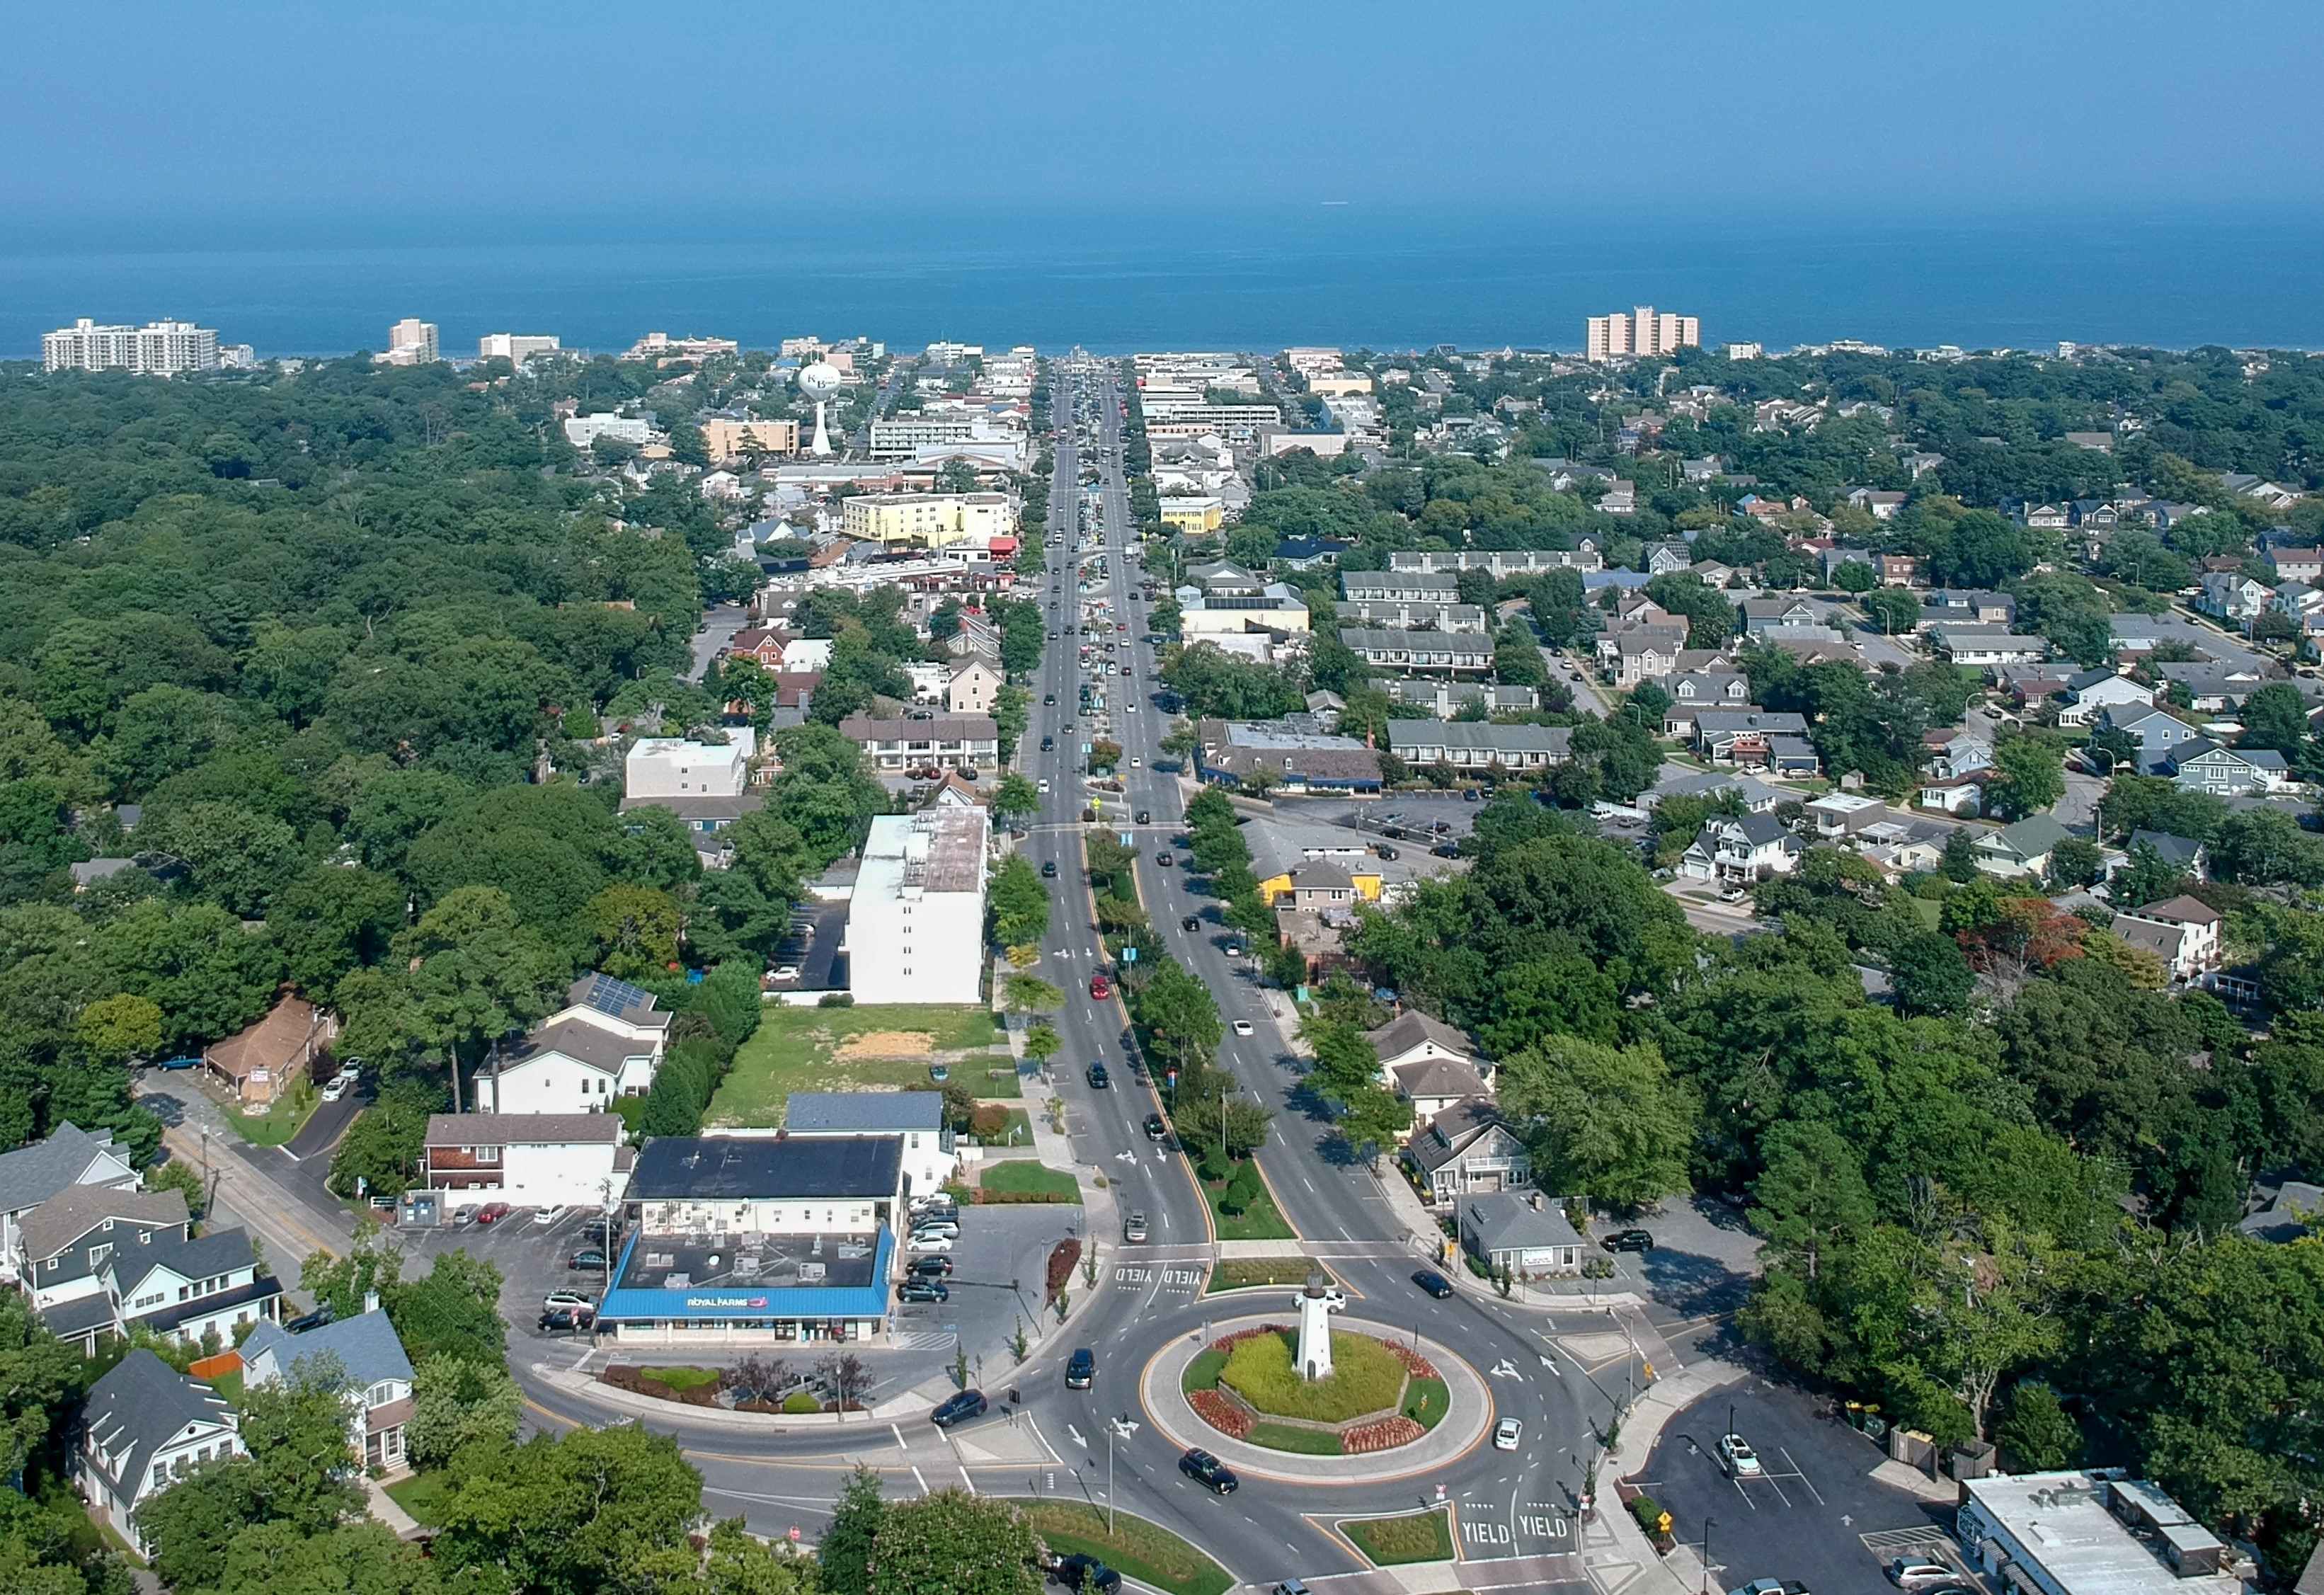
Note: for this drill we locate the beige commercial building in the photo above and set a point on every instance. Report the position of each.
(1338, 384)
(410, 342)
(1194, 515)
(516, 347)
(158, 348)
(1644, 331)
(731, 441)
(933, 519)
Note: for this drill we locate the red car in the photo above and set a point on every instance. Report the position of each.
(1101, 988)
(493, 1213)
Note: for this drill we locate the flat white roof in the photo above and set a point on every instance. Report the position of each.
(2061, 1521)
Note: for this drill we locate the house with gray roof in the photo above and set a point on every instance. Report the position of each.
(2021, 850)
(372, 1365)
(1737, 851)
(915, 1117)
(30, 1176)
(1467, 1150)
(2202, 765)
(65, 1247)
(144, 1427)
(2180, 853)
(2285, 1217)
(607, 1041)
(1523, 1231)
(1480, 745)
(1427, 1062)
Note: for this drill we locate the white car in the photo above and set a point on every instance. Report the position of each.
(1243, 1027)
(1506, 1434)
(548, 1215)
(1045, 783)
(1735, 1453)
(788, 972)
(1136, 763)
(338, 1086)
(931, 1243)
(1335, 1300)
(935, 1225)
(566, 1299)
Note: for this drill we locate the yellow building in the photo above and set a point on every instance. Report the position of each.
(932, 520)
(1322, 882)
(728, 441)
(1194, 515)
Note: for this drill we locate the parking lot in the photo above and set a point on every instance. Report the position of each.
(1814, 1513)
(810, 945)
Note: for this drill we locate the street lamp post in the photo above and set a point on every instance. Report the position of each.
(1708, 1525)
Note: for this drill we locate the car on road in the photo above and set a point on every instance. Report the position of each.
(1335, 1300)
(1048, 869)
(1628, 1240)
(1156, 1130)
(1135, 1228)
(1434, 1282)
(959, 1409)
(493, 1213)
(1163, 861)
(1101, 988)
(1208, 1472)
(922, 1290)
(338, 1086)
(568, 1300)
(1051, 700)
(1099, 1080)
(1243, 1027)
(1048, 743)
(588, 1256)
(1145, 815)
(1506, 1433)
(1910, 1573)
(1081, 1370)
(1191, 922)
(1045, 783)
(1735, 1455)
(931, 1242)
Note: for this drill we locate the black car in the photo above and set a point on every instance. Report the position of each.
(920, 1288)
(1048, 869)
(1446, 850)
(1048, 743)
(958, 1409)
(1628, 1240)
(1081, 1370)
(1470, 794)
(1099, 1080)
(1156, 1130)
(1145, 816)
(563, 1320)
(935, 1266)
(1080, 1572)
(1191, 922)
(314, 1320)
(1208, 1472)
(1434, 1282)
(1050, 699)
(1163, 861)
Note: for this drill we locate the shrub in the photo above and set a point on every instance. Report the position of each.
(1063, 1256)
(987, 1120)
(1415, 1364)
(1242, 1189)
(1649, 1513)
(1384, 1435)
(1365, 1379)
(802, 1401)
(1219, 1412)
(837, 1000)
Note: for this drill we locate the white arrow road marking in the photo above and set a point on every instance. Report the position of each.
(1076, 1436)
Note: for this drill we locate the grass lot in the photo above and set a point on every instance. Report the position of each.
(1136, 1548)
(1364, 1379)
(1033, 1182)
(273, 1129)
(1293, 1437)
(423, 1495)
(1427, 1401)
(1259, 1222)
(683, 1378)
(992, 1081)
(1416, 1536)
(1239, 1273)
(228, 1387)
(1203, 1372)
(879, 1049)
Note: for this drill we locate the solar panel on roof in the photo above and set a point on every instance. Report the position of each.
(610, 996)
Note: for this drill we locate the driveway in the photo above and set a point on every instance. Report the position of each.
(326, 1125)
(1808, 1518)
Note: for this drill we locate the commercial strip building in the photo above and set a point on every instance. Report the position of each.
(157, 348)
(932, 520)
(916, 920)
(527, 1159)
(945, 742)
(2095, 1533)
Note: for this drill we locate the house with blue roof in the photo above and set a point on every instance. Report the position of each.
(371, 1361)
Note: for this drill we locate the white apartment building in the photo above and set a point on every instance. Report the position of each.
(515, 346)
(903, 437)
(933, 519)
(582, 430)
(529, 1159)
(410, 342)
(1644, 331)
(158, 348)
(675, 766)
(916, 923)
(606, 1042)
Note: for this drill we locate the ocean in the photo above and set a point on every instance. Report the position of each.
(1351, 275)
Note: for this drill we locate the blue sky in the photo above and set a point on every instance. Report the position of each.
(498, 112)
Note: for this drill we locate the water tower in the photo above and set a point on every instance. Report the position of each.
(819, 382)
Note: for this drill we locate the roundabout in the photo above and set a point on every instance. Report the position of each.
(1396, 1404)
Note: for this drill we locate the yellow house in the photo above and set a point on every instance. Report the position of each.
(1194, 516)
(1320, 883)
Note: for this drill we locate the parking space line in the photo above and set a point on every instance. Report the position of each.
(1802, 1477)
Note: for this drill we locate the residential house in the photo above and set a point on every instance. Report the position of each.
(1792, 756)
(1969, 606)
(762, 644)
(1426, 1061)
(1306, 553)
(1899, 570)
(1446, 652)
(915, 1118)
(32, 1173)
(2182, 853)
(926, 742)
(1737, 851)
(1523, 1232)
(527, 1159)
(1977, 645)
(2213, 687)
(1467, 1151)
(2234, 597)
(1444, 699)
(1696, 690)
(1410, 614)
(2182, 931)
(606, 1042)
(971, 687)
(1955, 753)
(1640, 653)
(143, 1428)
(2202, 765)
(2094, 690)
(97, 1261)
(2157, 735)
(1742, 736)
(2269, 495)
(1756, 795)
(2047, 517)
(264, 1061)
(1665, 558)
(1764, 614)
(373, 1370)
(1478, 745)
(1879, 502)
(2021, 850)
(1397, 586)
(2297, 564)
(1842, 817)
(2285, 1219)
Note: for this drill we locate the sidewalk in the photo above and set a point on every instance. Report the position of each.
(1615, 1548)
(382, 1506)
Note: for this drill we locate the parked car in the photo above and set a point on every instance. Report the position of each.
(918, 1289)
(1081, 1370)
(931, 1268)
(493, 1213)
(1506, 1433)
(1770, 1587)
(1099, 1080)
(563, 1320)
(931, 1243)
(337, 1085)
(788, 972)
(1208, 1472)
(1909, 1573)
(1628, 1240)
(588, 1256)
(1735, 1453)
(959, 1409)
(314, 1320)
(1434, 1282)
(549, 1214)
(568, 1300)
(1082, 1572)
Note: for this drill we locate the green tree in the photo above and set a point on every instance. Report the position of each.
(331, 920)
(457, 1402)
(477, 974)
(2037, 1432)
(2029, 776)
(844, 1555)
(636, 930)
(1606, 1122)
(1042, 1043)
(116, 1029)
(1930, 976)
(573, 1514)
(1026, 993)
(1019, 903)
(1178, 1012)
(1015, 799)
(952, 1543)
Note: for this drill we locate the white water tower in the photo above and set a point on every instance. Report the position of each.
(819, 382)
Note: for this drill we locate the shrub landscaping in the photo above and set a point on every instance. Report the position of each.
(1242, 1273)
(1247, 1386)
(1416, 1536)
(1365, 1378)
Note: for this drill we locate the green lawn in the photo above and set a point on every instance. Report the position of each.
(423, 1495)
(879, 1049)
(995, 1079)
(1416, 1536)
(1259, 1222)
(1203, 1372)
(277, 1126)
(1240, 1272)
(1017, 1123)
(1293, 1437)
(1136, 1548)
(228, 1387)
(681, 1377)
(1364, 1379)
(1427, 1401)
(1025, 1179)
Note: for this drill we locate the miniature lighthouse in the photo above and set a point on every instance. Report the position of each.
(1314, 1330)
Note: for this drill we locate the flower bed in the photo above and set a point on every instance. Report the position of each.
(1228, 1342)
(1222, 1413)
(1244, 1386)
(1386, 1434)
(1415, 1364)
